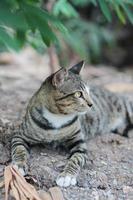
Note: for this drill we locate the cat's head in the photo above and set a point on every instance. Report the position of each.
(70, 93)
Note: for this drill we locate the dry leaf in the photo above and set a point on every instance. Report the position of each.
(8, 178)
(28, 188)
(56, 193)
(21, 190)
(44, 195)
(15, 182)
(2, 184)
(14, 191)
(21, 193)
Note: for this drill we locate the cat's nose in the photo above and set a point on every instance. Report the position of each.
(90, 104)
(89, 101)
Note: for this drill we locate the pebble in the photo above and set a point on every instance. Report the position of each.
(127, 189)
(43, 154)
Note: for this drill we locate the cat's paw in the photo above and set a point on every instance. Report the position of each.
(65, 180)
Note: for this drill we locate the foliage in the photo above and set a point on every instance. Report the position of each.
(87, 38)
(123, 8)
(24, 21)
(19, 18)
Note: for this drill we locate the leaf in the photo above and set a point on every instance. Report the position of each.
(127, 2)
(70, 11)
(94, 2)
(56, 193)
(44, 15)
(30, 21)
(33, 1)
(27, 187)
(45, 31)
(19, 189)
(65, 8)
(83, 3)
(128, 12)
(21, 36)
(120, 14)
(75, 42)
(44, 195)
(14, 20)
(1, 184)
(37, 21)
(22, 190)
(8, 40)
(8, 178)
(105, 9)
(95, 43)
(14, 190)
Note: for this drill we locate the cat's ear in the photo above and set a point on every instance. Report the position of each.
(77, 68)
(59, 77)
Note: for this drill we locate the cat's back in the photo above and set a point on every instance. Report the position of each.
(107, 113)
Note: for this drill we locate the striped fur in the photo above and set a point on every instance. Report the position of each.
(67, 111)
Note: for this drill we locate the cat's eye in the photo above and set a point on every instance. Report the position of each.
(78, 94)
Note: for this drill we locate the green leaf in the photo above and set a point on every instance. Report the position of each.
(32, 1)
(127, 2)
(36, 43)
(95, 44)
(15, 20)
(128, 12)
(12, 4)
(37, 21)
(65, 8)
(105, 9)
(45, 16)
(46, 33)
(44, 22)
(120, 14)
(94, 2)
(21, 37)
(76, 43)
(30, 22)
(83, 3)
(8, 40)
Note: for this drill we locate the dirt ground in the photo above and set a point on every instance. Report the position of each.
(108, 174)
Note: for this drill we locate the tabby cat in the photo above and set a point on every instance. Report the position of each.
(67, 111)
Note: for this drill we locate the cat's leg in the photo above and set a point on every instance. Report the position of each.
(76, 161)
(20, 154)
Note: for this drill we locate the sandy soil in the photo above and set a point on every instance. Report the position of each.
(108, 174)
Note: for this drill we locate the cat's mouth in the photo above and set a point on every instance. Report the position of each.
(82, 112)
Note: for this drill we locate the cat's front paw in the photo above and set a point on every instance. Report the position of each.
(65, 180)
